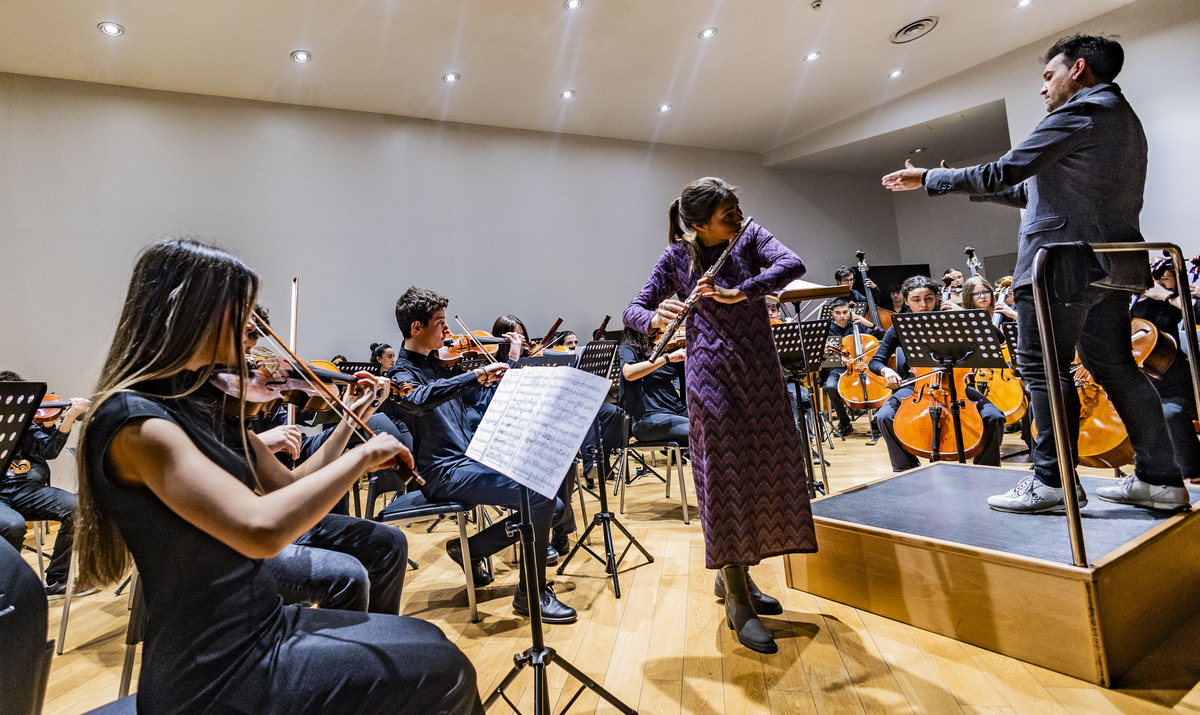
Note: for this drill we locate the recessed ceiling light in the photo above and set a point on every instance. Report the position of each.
(301, 56)
(812, 56)
(664, 108)
(896, 73)
(451, 77)
(573, 4)
(707, 33)
(567, 93)
(111, 29)
(1023, 3)
(918, 150)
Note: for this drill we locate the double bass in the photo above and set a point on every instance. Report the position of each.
(880, 317)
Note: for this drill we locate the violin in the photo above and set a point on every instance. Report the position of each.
(677, 341)
(924, 424)
(880, 317)
(273, 382)
(858, 387)
(471, 346)
(51, 408)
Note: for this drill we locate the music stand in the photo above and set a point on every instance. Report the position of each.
(801, 345)
(949, 339)
(599, 358)
(353, 367)
(555, 359)
(18, 402)
(827, 309)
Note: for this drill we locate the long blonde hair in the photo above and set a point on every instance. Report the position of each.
(181, 293)
(696, 204)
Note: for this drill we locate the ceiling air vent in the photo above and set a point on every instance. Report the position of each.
(914, 30)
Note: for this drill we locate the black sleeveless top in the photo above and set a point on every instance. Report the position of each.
(214, 617)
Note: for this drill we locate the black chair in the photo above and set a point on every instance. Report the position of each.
(633, 448)
(23, 618)
(413, 505)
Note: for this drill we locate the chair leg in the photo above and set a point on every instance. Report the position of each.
(66, 612)
(621, 476)
(579, 493)
(357, 498)
(133, 633)
(470, 572)
(39, 536)
(687, 517)
(671, 454)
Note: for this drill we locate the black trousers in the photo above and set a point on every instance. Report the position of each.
(26, 498)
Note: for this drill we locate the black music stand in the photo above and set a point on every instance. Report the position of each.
(599, 358)
(18, 402)
(1010, 336)
(950, 339)
(827, 309)
(554, 359)
(353, 367)
(801, 345)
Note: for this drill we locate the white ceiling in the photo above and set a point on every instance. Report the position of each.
(746, 89)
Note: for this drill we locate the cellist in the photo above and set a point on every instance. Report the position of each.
(921, 296)
(843, 323)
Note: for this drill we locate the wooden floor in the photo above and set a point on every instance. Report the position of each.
(664, 646)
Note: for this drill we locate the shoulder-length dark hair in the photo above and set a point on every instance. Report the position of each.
(182, 295)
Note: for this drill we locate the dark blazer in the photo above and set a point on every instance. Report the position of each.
(1080, 175)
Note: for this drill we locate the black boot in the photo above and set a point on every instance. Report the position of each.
(763, 604)
(740, 616)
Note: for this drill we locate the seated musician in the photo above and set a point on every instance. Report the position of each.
(343, 562)
(979, 294)
(921, 296)
(953, 278)
(1160, 305)
(437, 413)
(775, 310)
(841, 324)
(26, 494)
(845, 276)
(652, 392)
(898, 305)
(570, 341)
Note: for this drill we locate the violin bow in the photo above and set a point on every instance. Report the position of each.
(328, 395)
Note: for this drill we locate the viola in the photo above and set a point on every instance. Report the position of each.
(51, 408)
(924, 424)
(880, 317)
(858, 387)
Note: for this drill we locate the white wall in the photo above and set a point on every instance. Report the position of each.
(360, 206)
(1162, 49)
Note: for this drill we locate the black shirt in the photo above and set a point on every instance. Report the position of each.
(888, 346)
(39, 445)
(655, 393)
(213, 615)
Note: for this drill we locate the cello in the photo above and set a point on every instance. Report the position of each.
(880, 317)
(858, 387)
(924, 421)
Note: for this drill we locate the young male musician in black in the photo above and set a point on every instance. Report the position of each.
(841, 324)
(438, 412)
(921, 296)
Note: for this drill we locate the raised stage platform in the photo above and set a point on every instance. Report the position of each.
(923, 547)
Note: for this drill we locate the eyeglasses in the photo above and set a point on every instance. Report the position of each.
(980, 293)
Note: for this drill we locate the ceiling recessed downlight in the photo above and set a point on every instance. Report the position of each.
(918, 150)
(111, 29)
(573, 4)
(663, 108)
(451, 77)
(1023, 3)
(812, 56)
(301, 56)
(707, 33)
(567, 93)
(895, 74)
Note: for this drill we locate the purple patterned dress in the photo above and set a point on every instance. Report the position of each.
(746, 456)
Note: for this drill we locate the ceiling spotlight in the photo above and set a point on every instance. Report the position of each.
(111, 29)
(707, 33)
(664, 108)
(567, 93)
(811, 56)
(895, 74)
(301, 56)
(1023, 3)
(451, 77)
(573, 4)
(918, 150)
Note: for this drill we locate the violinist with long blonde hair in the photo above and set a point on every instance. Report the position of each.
(200, 505)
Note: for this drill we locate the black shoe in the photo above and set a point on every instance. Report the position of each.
(57, 589)
(481, 575)
(561, 543)
(844, 430)
(551, 555)
(553, 610)
(764, 604)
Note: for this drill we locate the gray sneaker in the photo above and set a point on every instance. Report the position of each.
(1131, 490)
(1032, 497)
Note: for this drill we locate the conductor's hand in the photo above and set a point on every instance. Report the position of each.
(892, 377)
(284, 438)
(382, 448)
(667, 311)
(906, 179)
(708, 288)
(490, 374)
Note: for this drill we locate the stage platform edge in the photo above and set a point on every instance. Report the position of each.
(1091, 623)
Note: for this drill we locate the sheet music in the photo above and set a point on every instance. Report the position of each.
(535, 424)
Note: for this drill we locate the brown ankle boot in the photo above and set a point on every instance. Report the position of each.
(740, 615)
